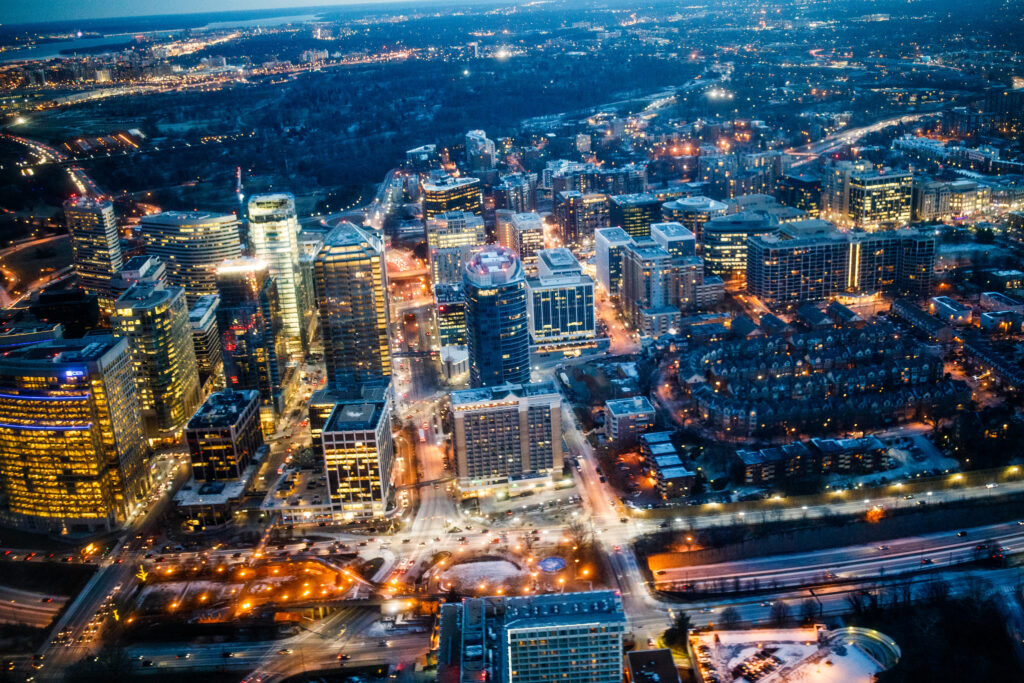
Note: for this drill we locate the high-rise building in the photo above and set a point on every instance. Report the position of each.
(452, 237)
(451, 314)
(139, 269)
(480, 151)
(815, 262)
(202, 319)
(505, 432)
(351, 294)
(249, 325)
(95, 245)
(274, 233)
(609, 245)
(74, 308)
(693, 212)
(497, 328)
(359, 454)
(835, 190)
(224, 435)
(527, 235)
(801, 191)
(192, 245)
(677, 240)
(571, 637)
(724, 241)
(634, 213)
(72, 452)
(517, 192)
(579, 215)
(880, 200)
(560, 303)
(444, 193)
(154, 319)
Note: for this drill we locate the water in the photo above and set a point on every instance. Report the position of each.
(51, 50)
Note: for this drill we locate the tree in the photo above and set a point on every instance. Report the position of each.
(676, 634)
(809, 610)
(580, 534)
(730, 617)
(779, 613)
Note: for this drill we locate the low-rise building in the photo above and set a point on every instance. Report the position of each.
(627, 418)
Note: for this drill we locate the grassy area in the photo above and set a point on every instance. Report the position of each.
(29, 264)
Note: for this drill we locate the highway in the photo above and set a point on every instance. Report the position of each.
(839, 139)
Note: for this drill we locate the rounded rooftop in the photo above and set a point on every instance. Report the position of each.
(493, 265)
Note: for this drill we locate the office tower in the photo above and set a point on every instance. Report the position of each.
(480, 151)
(74, 308)
(571, 637)
(693, 212)
(154, 319)
(192, 245)
(359, 455)
(810, 262)
(95, 245)
(724, 241)
(206, 341)
(880, 200)
(835, 190)
(443, 193)
(517, 192)
(451, 314)
(72, 453)
(674, 238)
(452, 237)
(249, 325)
(560, 303)
(351, 292)
(505, 432)
(496, 320)
(224, 435)
(609, 244)
(274, 234)
(801, 191)
(634, 213)
(579, 215)
(717, 170)
(527, 235)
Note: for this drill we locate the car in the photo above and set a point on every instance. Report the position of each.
(147, 662)
(660, 572)
(961, 533)
(344, 657)
(926, 560)
(285, 651)
(883, 547)
(384, 643)
(227, 655)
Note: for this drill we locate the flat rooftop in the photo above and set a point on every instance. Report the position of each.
(223, 408)
(629, 406)
(354, 416)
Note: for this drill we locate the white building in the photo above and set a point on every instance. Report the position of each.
(274, 233)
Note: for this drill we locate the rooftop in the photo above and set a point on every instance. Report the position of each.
(492, 266)
(651, 666)
(629, 406)
(466, 397)
(354, 416)
(223, 408)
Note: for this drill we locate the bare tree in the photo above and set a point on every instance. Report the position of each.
(809, 610)
(730, 617)
(779, 613)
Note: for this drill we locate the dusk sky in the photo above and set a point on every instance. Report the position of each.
(50, 10)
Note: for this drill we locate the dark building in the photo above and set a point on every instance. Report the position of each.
(224, 435)
(801, 191)
(451, 314)
(497, 330)
(74, 308)
(634, 213)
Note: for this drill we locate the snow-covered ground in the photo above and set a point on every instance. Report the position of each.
(490, 572)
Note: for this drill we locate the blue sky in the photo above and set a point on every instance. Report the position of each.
(15, 12)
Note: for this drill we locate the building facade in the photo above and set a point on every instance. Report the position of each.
(352, 300)
(505, 433)
(452, 237)
(155, 321)
(224, 435)
(560, 304)
(192, 245)
(274, 234)
(497, 324)
(72, 452)
(95, 245)
(358, 454)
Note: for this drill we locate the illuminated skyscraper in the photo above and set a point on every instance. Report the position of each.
(351, 295)
(249, 326)
(72, 454)
(274, 233)
(95, 245)
(202, 318)
(445, 193)
(634, 213)
(154, 319)
(192, 245)
(497, 329)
